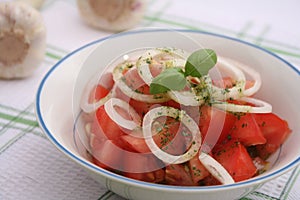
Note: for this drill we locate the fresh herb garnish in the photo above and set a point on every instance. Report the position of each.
(197, 65)
(169, 79)
(200, 62)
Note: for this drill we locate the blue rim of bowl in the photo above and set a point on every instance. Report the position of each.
(123, 179)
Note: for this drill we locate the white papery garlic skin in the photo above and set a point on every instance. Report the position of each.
(22, 40)
(112, 15)
(34, 3)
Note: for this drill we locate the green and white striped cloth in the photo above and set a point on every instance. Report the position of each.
(32, 168)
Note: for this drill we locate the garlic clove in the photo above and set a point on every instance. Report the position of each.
(34, 3)
(112, 15)
(22, 40)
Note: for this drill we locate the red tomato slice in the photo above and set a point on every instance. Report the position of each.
(225, 82)
(228, 82)
(97, 131)
(178, 175)
(108, 126)
(209, 181)
(106, 83)
(169, 136)
(141, 163)
(103, 151)
(135, 82)
(155, 68)
(275, 130)
(247, 131)
(198, 171)
(141, 107)
(234, 157)
(215, 124)
(135, 143)
(133, 79)
(173, 104)
(153, 177)
(98, 93)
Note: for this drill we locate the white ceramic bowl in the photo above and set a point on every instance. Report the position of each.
(57, 105)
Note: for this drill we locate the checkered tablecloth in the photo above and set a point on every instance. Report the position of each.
(32, 168)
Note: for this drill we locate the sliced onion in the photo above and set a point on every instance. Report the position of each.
(260, 106)
(234, 92)
(187, 98)
(120, 69)
(84, 103)
(129, 124)
(215, 169)
(185, 119)
(120, 83)
(148, 98)
(143, 63)
(251, 72)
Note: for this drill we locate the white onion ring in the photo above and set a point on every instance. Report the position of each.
(234, 92)
(148, 98)
(261, 106)
(215, 169)
(251, 72)
(84, 103)
(143, 62)
(187, 98)
(185, 119)
(109, 107)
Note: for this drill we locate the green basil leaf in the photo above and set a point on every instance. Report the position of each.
(200, 62)
(169, 79)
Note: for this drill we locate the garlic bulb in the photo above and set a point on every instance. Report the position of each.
(34, 3)
(112, 15)
(22, 40)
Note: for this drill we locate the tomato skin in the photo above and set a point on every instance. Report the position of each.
(168, 136)
(102, 89)
(133, 79)
(209, 181)
(141, 107)
(225, 82)
(98, 93)
(108, 126)
(104, 159)
(197, 169)
(228, 82)
(153, 177)
(233, 156)
(177, 174)
(135, 143)
(275, 130)
(247, 131)
(138, 166)
(210, 125)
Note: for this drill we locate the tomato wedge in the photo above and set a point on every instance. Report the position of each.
(108, 126)
(104, 159)
(247, 131)
(234, 157)
(197, 169)
(169, 136)
(105, 84)
(178, 175)
(215, 123)
(136, 143)
(140, 162)
(274, 129)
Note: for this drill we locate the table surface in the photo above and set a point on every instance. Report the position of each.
(32, 168)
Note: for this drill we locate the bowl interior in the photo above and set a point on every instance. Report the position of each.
(57, 113)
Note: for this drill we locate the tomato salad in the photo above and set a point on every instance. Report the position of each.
(169, 117)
